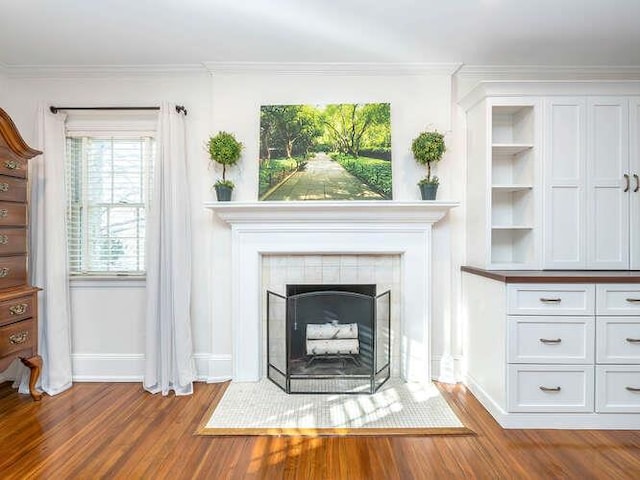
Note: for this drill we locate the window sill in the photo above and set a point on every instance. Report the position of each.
(107, 281)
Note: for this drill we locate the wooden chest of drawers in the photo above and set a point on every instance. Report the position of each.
(18, 299)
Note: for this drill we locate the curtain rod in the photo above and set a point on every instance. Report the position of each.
(179, 108)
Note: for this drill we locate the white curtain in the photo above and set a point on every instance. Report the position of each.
(48, 252)
(169, 361)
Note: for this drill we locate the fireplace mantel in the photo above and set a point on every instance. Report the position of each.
(331, 212)
(325, 227)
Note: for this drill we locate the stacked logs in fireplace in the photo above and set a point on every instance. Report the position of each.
(328, 338)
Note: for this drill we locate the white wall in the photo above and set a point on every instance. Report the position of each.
(108, 321)
(418, 102)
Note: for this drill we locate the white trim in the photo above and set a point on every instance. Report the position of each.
(129, 367)
(100, 71)
(329, 68)
(575, 72)
(116, 281)
(447, 368)
(107, 367)
(604, 421)
(519, 88)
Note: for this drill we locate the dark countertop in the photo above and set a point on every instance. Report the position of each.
(557, 276)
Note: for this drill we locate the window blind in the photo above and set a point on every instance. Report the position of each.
(108, 188)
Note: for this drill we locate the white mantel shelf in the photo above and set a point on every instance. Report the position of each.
(331, 212)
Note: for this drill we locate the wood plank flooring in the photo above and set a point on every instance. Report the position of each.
(115, 430)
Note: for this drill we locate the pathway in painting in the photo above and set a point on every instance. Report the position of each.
(323, 179)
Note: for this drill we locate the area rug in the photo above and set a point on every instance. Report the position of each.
(398, 408)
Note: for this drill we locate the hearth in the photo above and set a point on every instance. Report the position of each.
(329, 338)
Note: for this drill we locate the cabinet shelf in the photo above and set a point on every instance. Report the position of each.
(511, 227)
(510, 149)
(511, 188)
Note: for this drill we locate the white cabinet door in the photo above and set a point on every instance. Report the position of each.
(565, 164)
(608, 183)
(634, 171)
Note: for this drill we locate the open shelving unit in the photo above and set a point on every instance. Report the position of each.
(512, 132)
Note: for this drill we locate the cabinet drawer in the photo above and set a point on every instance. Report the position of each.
(618, 340)
(13, 240)
(17, 336)
(557, 299)
(13, 189)
(551, 339)
(616, 299)
(17, 309)
(547, 388)
(13, 271)
(13, 214)
(11, 164)
(618, 388)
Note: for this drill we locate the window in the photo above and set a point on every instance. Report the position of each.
(108, 189)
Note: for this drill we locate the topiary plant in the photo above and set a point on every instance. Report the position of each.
(428, 148)
(224, 149)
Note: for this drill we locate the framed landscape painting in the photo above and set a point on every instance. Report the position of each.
(325, 152)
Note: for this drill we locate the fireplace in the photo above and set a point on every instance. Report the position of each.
(329, 338)
(350, 229)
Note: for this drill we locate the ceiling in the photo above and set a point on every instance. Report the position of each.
(188, 32)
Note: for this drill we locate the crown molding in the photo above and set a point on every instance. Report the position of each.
(576, 72)
(337, 68)
(519, 88)
(90, 71)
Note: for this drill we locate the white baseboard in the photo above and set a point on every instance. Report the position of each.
(119, 367)
(547, 420)
(447, 368)
(107, 367)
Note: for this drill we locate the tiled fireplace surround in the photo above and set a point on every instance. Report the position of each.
(386, 243)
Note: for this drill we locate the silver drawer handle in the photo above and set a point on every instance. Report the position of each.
(18, 309)
(4, 271)
(551, 340)
(4, 187)
(4, 239)
(11, 164)
(633, 340)
(633, 300)
(3, 212)
(550, 300)
(550, 389)
(633, 389)
(18, 338)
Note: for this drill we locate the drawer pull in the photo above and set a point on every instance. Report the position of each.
(633, 340)
(551, 340)
(633, 389)
(4, 187)
(4, 271)
(18, 338)
(550, 389)
(550, 300)
(4, 239)
(18, 308)
(11, 164)
(3, 212)
(633, 300)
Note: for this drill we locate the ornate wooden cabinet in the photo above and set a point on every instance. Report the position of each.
(18, 299)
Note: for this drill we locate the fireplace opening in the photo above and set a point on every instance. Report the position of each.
(328, 338)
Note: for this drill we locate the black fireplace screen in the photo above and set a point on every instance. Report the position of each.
(329, 338)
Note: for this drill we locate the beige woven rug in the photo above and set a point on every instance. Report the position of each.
(398, 408)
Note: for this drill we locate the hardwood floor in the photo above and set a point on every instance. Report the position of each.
(115, 430)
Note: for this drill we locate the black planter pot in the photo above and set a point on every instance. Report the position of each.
(428, 190)
(223, 193)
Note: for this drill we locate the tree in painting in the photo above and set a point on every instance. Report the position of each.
(325, 152)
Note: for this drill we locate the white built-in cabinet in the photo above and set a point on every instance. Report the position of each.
(590, 182)
(553, 175)
(503, 180)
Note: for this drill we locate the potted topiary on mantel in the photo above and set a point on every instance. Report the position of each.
(428, 148)
(224, 149)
